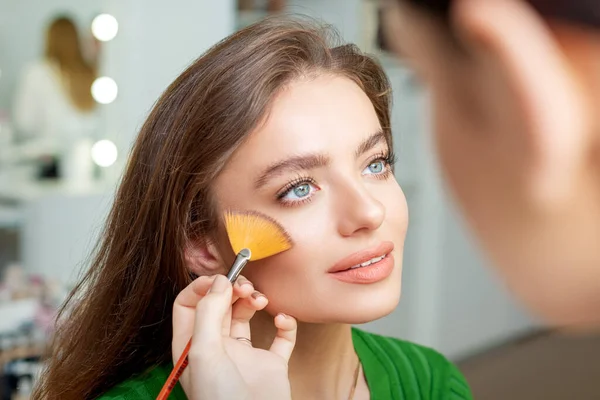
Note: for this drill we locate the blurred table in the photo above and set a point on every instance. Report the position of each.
(57, 222)
(17, 185)
(15, 313)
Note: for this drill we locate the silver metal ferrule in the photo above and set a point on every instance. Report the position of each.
(240, 262)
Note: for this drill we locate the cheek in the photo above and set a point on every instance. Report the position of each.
(280, 276)
(394, 201)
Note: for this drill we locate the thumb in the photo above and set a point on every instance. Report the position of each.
(211, 313)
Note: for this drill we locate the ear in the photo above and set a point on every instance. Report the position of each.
(557, 110)
(203, 258)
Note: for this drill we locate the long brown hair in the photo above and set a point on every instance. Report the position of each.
(118, 321)
(64, 49)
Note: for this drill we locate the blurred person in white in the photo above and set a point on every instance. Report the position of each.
(54, 104)
(517, 132)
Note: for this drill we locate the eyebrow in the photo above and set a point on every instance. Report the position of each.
(312, 161)
(298, 163)
(370, 143)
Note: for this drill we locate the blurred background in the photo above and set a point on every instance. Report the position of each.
(77, 78)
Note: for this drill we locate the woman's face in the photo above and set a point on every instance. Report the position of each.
(320, 166)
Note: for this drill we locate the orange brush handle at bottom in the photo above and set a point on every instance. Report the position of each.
(175, 374)
(240, 262)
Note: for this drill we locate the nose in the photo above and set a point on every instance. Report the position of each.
(358, 210)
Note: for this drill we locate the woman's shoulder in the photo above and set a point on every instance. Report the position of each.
(415, 371)
(398, 350)
(39, 69)
(144, 386)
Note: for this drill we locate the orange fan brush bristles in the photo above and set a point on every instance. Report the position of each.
(259, 233)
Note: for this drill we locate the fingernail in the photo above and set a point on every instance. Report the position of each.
(257, 294)
(220, 284)
(243, 282)
(282, 315)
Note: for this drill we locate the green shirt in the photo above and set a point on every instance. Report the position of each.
(394, 370)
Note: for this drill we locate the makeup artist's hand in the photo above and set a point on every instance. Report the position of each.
(220, 366)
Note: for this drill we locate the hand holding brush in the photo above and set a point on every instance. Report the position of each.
(223, 364)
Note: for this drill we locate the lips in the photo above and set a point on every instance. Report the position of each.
(363, 258)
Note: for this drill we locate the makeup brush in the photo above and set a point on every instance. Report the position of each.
(253, 236)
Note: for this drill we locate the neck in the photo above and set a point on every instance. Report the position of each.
(323, 363)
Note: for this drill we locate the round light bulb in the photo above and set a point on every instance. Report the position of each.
(104, 90)
(105, 27)
(104, 153)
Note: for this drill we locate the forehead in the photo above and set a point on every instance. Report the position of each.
(325, 114)
(311, 113)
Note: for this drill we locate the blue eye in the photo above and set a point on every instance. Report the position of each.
(302, 190)
(298, 192)
(376, 168)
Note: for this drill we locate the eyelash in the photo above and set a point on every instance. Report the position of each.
(389, 158)
(291, 185)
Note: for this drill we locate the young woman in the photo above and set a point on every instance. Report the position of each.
(272, 119)
(53, 102)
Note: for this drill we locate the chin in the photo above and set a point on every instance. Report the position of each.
(371, 303)
(344, 303)
(362, 308)
(377, 308)
(358, 310)
(368, 303)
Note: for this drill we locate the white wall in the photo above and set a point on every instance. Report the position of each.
(59, 232)
(343, 14)
(156, 41)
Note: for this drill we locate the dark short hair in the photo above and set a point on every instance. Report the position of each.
(581, 12)
(438, 6)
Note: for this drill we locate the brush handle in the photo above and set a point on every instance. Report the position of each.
(175, 373)
(238, 265)
(240, 262)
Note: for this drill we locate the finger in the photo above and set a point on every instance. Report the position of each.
(184, 310)
(211, 311)
(243, 311)
(285, 339)
(243, 283)
(226, 322)
(242, 288)
(191, 295)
